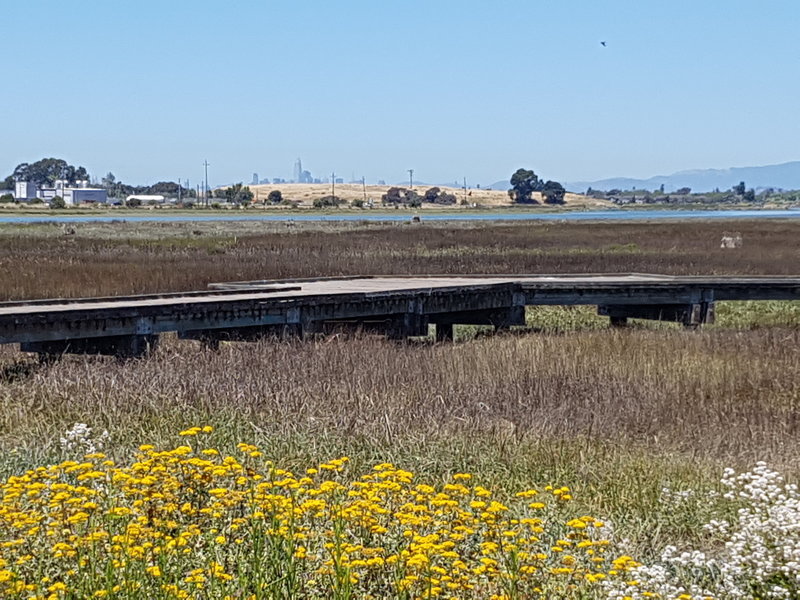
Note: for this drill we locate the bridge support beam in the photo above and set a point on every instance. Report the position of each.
(690, 315)
(444, 332)
(121, 346)
(406, 325)
(211, 338)
(499, 318)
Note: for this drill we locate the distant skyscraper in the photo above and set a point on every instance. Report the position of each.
(255, 179)
(297, 173)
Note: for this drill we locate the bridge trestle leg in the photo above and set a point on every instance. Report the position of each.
(400, 327)
(689, 315)
(121, 346)
(444, 332)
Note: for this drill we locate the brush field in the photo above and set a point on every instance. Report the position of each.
(639, 423)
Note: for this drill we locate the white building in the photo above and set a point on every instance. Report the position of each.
(24, 190)
(77, 194)
(146, 198)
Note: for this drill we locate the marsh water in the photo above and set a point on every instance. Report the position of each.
(600, 215)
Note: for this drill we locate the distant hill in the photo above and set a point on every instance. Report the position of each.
(500, 185)
(783, 176)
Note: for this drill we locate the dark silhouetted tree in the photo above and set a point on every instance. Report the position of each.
(431, 194)
(523, 183)
(553, 192)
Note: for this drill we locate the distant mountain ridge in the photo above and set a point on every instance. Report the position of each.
(782, 176)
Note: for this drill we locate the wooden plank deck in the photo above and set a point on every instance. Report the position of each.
(405, 305)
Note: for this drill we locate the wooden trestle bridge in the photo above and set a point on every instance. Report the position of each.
(400, 307)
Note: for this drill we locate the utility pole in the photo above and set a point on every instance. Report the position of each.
(205, 164)
(333, 184)
(179, 190)
(364, 186)
(411, 178)
(465, 190)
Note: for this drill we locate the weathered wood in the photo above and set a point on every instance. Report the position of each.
(400, 306)
(690, 315)
(123, 346)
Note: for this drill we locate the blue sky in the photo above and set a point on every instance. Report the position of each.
(149, 89)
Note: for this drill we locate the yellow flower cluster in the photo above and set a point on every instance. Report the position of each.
(195, 523)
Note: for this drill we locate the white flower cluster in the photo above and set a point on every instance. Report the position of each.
(760, 558)
(79, 437)
(670, 496)
(682, 497)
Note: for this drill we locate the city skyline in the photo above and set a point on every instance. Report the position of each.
(467, 89)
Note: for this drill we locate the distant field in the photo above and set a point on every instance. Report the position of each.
(306, 193)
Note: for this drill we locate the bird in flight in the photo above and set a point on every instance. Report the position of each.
(603, 44)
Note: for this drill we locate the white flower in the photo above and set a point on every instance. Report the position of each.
(761, 553)
(79, 437)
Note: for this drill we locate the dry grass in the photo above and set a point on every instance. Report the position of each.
(124, 258)
(735, 396)
(306, 193)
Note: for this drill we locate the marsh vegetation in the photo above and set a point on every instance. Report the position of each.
(616, 415)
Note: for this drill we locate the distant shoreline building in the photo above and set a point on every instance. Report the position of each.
(25, 191)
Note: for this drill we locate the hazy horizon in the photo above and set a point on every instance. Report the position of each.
(452, 90)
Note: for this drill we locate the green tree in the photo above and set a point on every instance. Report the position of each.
(238, 194)
(58, 203)
(327, 201)
(431, 194)
(739, 189)
(523, 183)
(398, 195)
(44, 172)
(275, 197)
(553, 192)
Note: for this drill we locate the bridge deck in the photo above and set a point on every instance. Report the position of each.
(407, 304)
